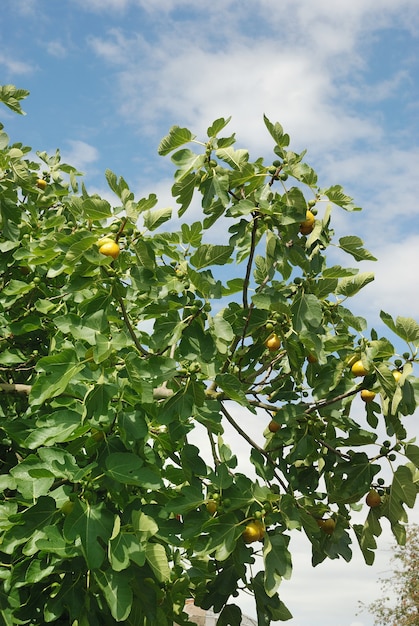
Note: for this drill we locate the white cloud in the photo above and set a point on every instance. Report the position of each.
(155, 7)
(79, 154)
(56, 49)
(104, 5)
(184, 81)
(343, 22)
(14, 66)
(396, 283)
(192, 75)
(384, 181)
(379, 91)
(115, 48)
(26, 7)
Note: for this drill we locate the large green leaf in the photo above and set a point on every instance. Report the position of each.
(223, 330)
(154, 219)
(92, 524)
(33, 478)
(29, 521)
(50, 540)
(235, 158)
(353, 245)
(232, 387)
(231, 615)
(412, 453)
(85, 328)
(145, 254)
(403, 491)
(177, 137)
(117, 591)
(296, 206)
(125, 548)
(129, 469)
(96, 208)
(186, 160)
(189, 499)
(337, 196)
(61, 464)
(157, 559)
(277, 132)
(11, 97)
(337, 271)
(352, 478)
(143, 205)
(59, 426)
(217, 125)
(16, 288)
(268, 608)
(97, 401)
(366, 535)
(404, 327)
(277, 560)
(215, 192)
(192, 233)
(183, 190)
(307, 312)
(54, 375)
(220, 537)
(209, 254)
(350, 285)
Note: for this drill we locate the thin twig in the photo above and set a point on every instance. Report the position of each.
(213, 449)
(264, 368)
(250, 261)
(321, 403)
(310, 408)
(130, 328)
(342, 455)
(252, 443)
(121, 228)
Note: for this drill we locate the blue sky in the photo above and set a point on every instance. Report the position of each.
(109, 77)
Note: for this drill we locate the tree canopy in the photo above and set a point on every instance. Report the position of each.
(398, 604)
(120, 340)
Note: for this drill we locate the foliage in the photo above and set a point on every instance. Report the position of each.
(402, 587)
(113, 369)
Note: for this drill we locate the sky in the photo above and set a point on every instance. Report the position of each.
(108, 78)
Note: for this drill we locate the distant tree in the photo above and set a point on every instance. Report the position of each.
(398, 604)
(126, 349)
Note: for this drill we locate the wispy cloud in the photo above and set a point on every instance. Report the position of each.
(395, 285)
(116, 48)
(79, 154)
(15, 66)
(104, 5)
(56, 49)
(183, 81)
(300, 70)
(26, 7)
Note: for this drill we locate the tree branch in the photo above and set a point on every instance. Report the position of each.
(159, 393)
(15, 388)
(250, 261)
(321, 403)
(130, 328)
(213, 449)
(252, 443)
(342, 455)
